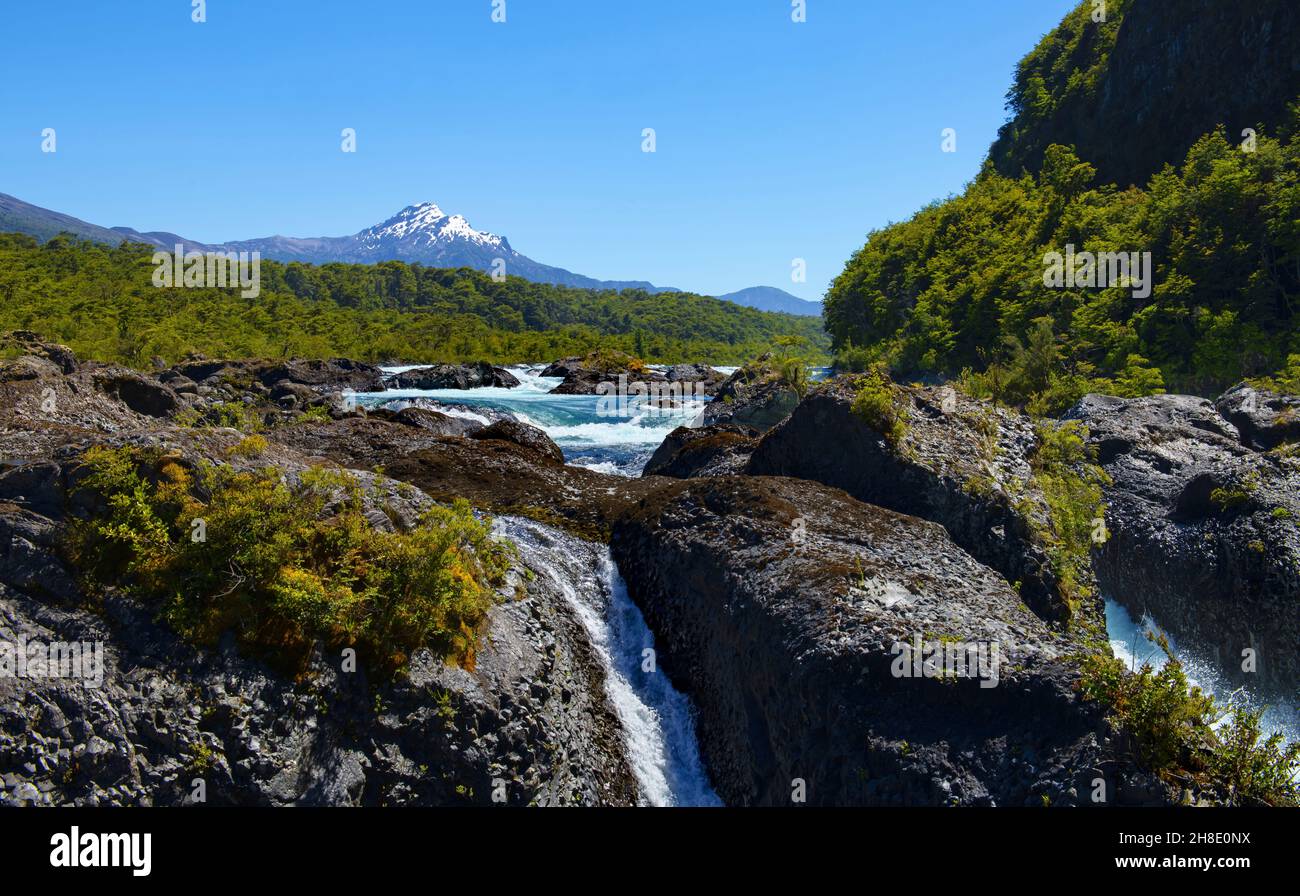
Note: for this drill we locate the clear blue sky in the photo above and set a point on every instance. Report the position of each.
(776, 140)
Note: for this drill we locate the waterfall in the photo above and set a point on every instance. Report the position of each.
(658, 721)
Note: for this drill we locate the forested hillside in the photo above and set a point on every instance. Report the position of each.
(101, 301)
(1133, 92)
(961, 284)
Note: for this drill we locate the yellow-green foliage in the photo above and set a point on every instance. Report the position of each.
(876, 403)
(1170, 727)
(1071, 484)
(285, 565)
(1287, 381)
(249, 446)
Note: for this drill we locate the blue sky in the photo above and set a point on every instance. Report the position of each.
(775, 140)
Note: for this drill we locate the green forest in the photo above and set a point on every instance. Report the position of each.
(958, 290)
(101, 301)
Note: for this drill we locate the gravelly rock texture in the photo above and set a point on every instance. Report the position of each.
(1204, 532)
(776, 604)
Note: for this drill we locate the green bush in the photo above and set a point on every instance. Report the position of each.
(1177, 731)
(876, 403)
(1071, 483)
(285, 565)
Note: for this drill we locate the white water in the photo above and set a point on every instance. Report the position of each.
(1129, 642)
(608, 444)
(658, 721)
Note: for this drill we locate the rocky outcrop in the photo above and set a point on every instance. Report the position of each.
(139, 393)
(479, 375)
(719, 450)
(165, 722)
(781, 606)
(753, 396)
(426, 419)
(522, 434)
(1264, 418)
(323, 376)
(1204, 532)
(584, 375)
(28, 343)
(495, 474)
(956, 461)
(708, 379)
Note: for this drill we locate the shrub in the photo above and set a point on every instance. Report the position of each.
(285, 565)
(1071, 484)
(875, 402)
(1177, 731)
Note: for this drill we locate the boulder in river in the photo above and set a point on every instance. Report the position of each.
(584, 375)
(479, 375)
(754, 395)
(529, 437)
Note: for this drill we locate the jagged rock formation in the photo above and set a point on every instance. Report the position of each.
(754, 396)
(779, 605)
(960, 462)
(1203, 531)
(718, 450)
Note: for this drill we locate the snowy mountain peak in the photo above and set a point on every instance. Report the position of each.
(425, 224)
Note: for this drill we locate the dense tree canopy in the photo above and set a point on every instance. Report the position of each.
(101, 301)
(961, 284)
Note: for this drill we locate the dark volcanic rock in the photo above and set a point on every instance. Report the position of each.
(583, 376)
(779, 605)
(521, 434)
(962, 463)
(30, 343)
(494, 474)
(1264, 419)
(454, 376)
(752, 396)
(532, 717)
(141, 394)
(708, 379)
(719, 450)
(322, 375)
(1203, 532)
(434, 422)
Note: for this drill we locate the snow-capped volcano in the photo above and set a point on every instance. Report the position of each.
(421, 234)
(425, 224)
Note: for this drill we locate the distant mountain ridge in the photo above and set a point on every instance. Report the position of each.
(422, 233)
(769, 298)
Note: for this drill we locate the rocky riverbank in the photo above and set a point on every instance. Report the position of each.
(806, 580)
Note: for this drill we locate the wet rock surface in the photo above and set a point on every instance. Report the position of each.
(1203, 531)
(777, 605)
